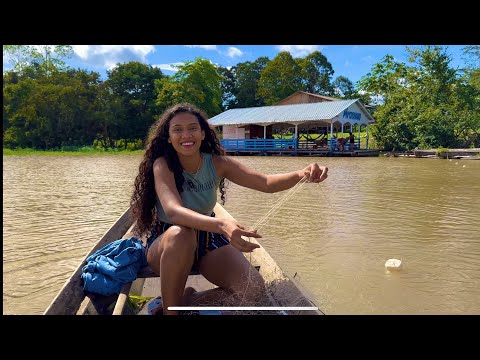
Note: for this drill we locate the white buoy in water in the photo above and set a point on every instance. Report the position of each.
(393, 264)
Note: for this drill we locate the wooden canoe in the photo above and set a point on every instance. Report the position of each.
(282, 290)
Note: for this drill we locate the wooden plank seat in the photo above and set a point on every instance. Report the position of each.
(102, 305)
(143, 273)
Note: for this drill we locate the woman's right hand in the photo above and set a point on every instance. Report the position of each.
(234, 232)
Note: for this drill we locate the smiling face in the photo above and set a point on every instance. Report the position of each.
(185, 134)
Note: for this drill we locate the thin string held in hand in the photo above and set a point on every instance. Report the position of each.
(275, 208)
(280, 203)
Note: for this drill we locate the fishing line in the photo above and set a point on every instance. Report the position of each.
(280, 203)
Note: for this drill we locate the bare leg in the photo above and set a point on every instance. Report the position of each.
(237, 280)
(172, 255)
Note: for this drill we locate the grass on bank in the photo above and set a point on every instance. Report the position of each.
(71, 151)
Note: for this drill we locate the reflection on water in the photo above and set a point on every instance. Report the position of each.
(335, 235)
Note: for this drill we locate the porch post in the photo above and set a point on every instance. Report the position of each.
(331, 136)
(367, 137)
(296, 141)
(359, 139)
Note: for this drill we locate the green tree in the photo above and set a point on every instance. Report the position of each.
(227, 87)
(134, 85)
(344, 88)
(384, 78)
(280, 78)
(472, 58)
(47, 58)
(198, 82)
(51, 111)
(110, 116)
(316, 73)
(247, 75)
(427, 104)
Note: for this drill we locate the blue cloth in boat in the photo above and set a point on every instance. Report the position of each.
(113, 266)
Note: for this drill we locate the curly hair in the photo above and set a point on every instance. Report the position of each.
(144, 196)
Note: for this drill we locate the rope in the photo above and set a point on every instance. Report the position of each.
(280, 203)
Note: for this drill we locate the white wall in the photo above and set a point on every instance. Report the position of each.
(353, 114)
(233, 132)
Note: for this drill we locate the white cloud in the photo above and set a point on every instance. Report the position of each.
(299, 50)
(347, 63)
(234, 52)
(107, 56)
(206, 47)
(168, 67)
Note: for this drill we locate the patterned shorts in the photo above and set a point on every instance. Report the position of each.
(206, 241)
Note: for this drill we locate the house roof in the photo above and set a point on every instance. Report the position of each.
(311, 94)
(294, 113)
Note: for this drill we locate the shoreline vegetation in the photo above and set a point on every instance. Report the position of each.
(85, 150)
(425, 102)
(441, 153)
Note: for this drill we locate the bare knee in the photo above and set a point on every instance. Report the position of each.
(179, 240)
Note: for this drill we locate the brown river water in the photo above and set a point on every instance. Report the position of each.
(334, 237)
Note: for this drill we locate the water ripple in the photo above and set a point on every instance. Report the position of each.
(335, 236)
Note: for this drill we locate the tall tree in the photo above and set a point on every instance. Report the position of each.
(316, 73)
(47, 58)
(227, 87)
(198, 82)
(247, 76)
(280, 78)
(51, 111)
(426, 104)
(383, 78)
(344, 88)
(472, 58)
(134, 84)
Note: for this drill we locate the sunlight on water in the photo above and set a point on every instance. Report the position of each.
(336, 236)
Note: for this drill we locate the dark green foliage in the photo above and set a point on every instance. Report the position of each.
(426, 104)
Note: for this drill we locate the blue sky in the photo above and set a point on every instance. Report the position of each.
(352, 61)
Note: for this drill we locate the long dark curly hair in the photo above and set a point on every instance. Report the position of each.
(144, 195)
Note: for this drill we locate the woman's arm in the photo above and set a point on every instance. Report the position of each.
(179, 215)
(244, 176)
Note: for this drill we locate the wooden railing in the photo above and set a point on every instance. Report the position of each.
(258, 144)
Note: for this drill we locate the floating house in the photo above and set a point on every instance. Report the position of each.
(251, 130)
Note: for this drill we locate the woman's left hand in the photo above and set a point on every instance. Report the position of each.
(315, 173)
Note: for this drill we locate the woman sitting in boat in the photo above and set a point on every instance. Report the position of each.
(175, 192)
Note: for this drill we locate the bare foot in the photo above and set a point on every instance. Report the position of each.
(187, 294)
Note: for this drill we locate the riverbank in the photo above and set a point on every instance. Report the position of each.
(79, 151)
(459, 154)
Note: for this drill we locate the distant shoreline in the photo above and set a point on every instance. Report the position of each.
(81, 151)
(443, 153)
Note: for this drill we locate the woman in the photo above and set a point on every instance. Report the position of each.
(175, 193)
(351, 137)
